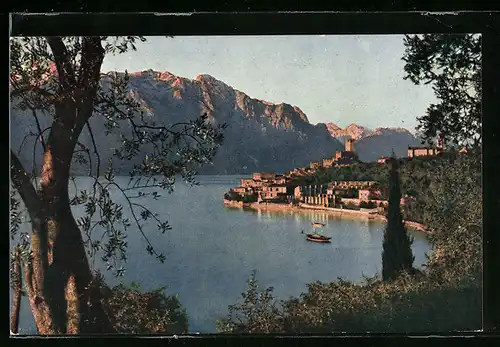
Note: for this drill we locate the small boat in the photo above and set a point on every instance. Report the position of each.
(318, 238)
(316, 224)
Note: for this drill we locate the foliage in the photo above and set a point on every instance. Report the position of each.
(250, 198)
(176, 149)
(452, 64)
(454, 217)
(59, 78)
(295, 202)
(445, 296)
(350, 206)
(233, 196)
(367, 204)
(259, 312)
(408, 304)
(397, 254)
(134, 312)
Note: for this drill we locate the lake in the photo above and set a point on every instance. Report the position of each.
(212, 250)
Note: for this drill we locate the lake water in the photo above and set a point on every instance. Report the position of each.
(212, 250)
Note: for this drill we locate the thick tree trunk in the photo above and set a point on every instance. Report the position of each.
(68, 281)
(58, 279)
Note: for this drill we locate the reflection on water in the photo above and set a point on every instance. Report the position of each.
(212, 250)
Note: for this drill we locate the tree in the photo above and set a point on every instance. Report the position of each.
(454, 217)
(60, 78)
(397, 255)
(452, 64)
(135, 312)
(259, 312)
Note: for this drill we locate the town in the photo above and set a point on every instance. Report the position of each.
(283, 189)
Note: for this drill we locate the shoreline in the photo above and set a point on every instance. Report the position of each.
(365, 214)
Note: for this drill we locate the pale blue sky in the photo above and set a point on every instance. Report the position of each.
(340, 79)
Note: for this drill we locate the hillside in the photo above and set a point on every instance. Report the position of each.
(261, 136)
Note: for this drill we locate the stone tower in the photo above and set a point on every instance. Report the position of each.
(349, 145)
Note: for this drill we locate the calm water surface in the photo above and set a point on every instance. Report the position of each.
(211, 250)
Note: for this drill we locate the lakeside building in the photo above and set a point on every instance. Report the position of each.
(266, 186)
(382, 160)
(277, 189)
(364, 195)
(423, 151)
(273, 191)
(315, 195)
(341, 158)
(298, 172)
(263, 176)
(427, 151)
(352, 184)
(242, 191)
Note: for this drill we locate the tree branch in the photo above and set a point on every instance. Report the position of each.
(90, 67)
(33, 160)
(96, 152)
(33, 111)
(89, 79)
(18, 91)
(64, 68)
(23, 185)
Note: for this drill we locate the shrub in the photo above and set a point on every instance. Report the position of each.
(445, 297)
(249, 198)
(351, 206)
(259, 312)
(408, 304)
(367, 204)
(134, 312)
(233, 196)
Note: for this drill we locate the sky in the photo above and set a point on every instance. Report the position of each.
(342, 79)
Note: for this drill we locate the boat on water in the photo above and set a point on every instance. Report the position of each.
(315, 236)
(318, 238)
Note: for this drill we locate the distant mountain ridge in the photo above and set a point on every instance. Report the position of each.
(353, 130)
(261, 136)
(373, 144)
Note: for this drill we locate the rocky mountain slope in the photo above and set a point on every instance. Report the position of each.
(261, 136)
(353, 130)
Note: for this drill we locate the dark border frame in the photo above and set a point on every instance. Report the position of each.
(253, 23)
(260, 23)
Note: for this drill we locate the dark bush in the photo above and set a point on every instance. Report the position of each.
(233, 196)
(350, 206)
(132, 311)
(249, 198)
(368, 204)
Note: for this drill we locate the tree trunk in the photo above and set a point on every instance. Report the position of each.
(59, 281)
(68, 281)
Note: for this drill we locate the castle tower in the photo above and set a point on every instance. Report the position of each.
(349, 145)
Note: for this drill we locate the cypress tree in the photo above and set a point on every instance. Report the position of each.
(397, 255)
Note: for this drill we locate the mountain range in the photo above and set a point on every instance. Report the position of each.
(373, 144)
(261, 136)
